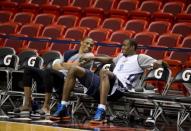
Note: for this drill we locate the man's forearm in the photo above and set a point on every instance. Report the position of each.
(64, 65)
(103, 59)
(160, 63)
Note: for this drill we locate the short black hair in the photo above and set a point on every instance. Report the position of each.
(132, 43)
(87, 37)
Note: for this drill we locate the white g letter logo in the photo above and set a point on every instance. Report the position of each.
(7, 60)
(158, 73)
(186, 75)
(31, 61)
(106, 66)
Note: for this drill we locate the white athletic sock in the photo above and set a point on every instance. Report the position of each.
(65, 103)
(102, 106)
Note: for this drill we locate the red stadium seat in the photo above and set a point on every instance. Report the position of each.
(146, 9)
(183, 28)
(77, 7)
(99, 35)
(159, 27)
(8, 28)
(90, 22)
(100, 7)
(75, 33)
(71, 34)
(146, 38)
(175, 65)
(31, 30)
(169, 40)
(184, 16)
(62, 47)
(181, 56)
(186, 42)
(44, 19)
(113, 23)
(67, 20)
(53, 31)
(19, 1)
(169, 11)
(16, 43)
(157, 54)
(136, 25)
(9, 6)
(33, 5)
(5, 16)
(108, 50)
(61, 3)
(55, 6)
(40, 46)
(116, 39)
(49, 32)
(120, 36)
(23, 17)
(123, 8)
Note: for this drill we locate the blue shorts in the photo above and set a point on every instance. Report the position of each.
(92, 82)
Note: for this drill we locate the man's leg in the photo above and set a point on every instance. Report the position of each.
(29, 74)
(105, 77)
(70, 81)
(46, 106)
(73, 73)
(27, 98)
(52, 79)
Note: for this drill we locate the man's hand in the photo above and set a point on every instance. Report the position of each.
(159, 63)
(83, 60)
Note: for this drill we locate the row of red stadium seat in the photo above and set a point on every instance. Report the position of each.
(67, 21)
(102, 35)
(148, 37)
(124, 8)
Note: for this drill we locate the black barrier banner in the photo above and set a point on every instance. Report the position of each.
(56, 41)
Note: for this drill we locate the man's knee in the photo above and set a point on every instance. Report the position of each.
(74, 70)
(28, 70)
(103, 73)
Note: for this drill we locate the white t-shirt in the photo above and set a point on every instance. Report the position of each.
(76, 58)
(128, 71)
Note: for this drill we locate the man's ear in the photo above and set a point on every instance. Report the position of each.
(133, 47)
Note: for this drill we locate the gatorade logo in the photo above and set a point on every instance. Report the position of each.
(158, 73)
(106, 66)
(56, 61)
(31, 61)
(7, 60)
(186, 75)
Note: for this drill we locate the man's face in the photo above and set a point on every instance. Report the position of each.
(87, 45)
(126, 48)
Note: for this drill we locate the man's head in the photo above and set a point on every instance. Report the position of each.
(129, 47)
(86, 45)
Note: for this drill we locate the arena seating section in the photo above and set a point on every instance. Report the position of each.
(162, 28)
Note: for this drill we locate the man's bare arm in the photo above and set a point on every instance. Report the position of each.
(101, 59)
(160, 63)
(64, 65)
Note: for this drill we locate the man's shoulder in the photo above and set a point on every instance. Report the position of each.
(89, 54)
(143, 56)
(69, 53)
